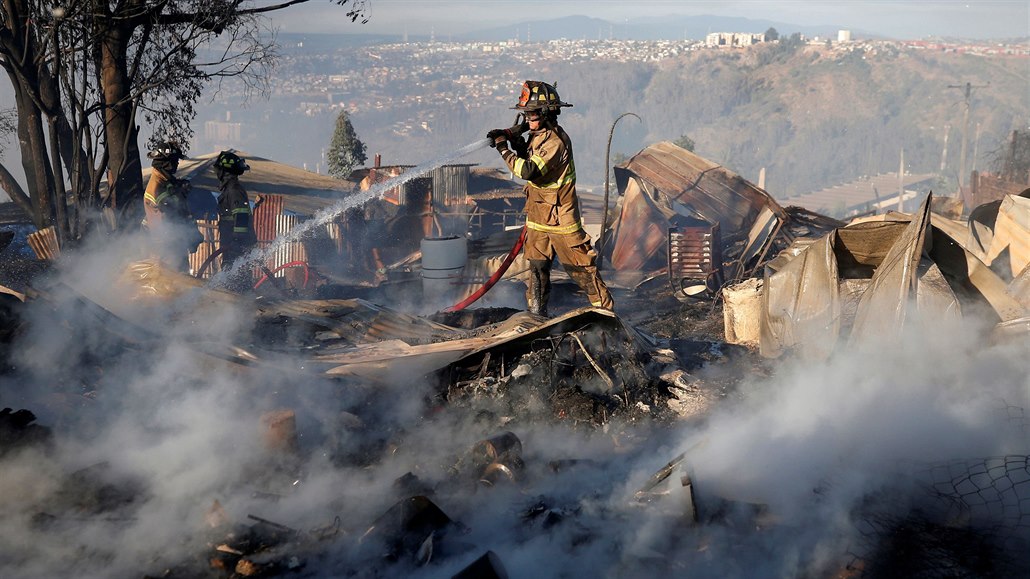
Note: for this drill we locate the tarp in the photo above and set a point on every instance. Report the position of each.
(885, 267)
(800, 303)
(885, 302)
(1012, 233)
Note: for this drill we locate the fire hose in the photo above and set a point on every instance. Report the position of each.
(267, 274)
(508, 259)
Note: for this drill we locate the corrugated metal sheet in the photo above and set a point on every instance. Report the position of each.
(384, 361)
(265, 215)
(715, 193)
(640, 232)
(209, 229)
(335, 232)
(1012, 233)
(450, 185)
(358, 321)
(44, 243)
(286, 252)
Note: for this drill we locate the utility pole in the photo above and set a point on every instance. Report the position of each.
(965, 127)
(976, 145)
(944, 153)
(901, 183)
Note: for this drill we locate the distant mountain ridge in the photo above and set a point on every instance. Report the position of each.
(671, 27)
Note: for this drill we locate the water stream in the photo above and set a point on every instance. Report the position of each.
(260, 255)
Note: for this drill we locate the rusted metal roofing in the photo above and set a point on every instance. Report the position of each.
(209, 230)
(358, 321)
(284, 253)
(381, 361)
(450, 184)
(715, 193)
(265, 214)
(640, 231)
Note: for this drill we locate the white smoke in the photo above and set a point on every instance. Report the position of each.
(173, 431)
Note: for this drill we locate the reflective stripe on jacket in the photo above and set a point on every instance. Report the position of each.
(165, 199)
(552, 205)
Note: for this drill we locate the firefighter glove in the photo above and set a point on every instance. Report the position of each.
(498, 138)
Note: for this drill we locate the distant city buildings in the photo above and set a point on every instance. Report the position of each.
(732, 39)
(222, 135)
(402, 81)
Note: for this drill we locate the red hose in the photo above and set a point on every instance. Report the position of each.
(303, 264)
(207, 262)
(493, 278)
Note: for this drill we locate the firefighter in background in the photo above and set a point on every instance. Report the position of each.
(553, 222)
(236, 235)
(172, 229)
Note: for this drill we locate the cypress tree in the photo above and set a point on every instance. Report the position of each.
(346, 151)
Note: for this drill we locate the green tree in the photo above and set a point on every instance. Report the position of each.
(771, 34)
(346, 151)
(685, 142)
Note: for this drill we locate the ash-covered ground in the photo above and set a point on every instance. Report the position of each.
(599, 450)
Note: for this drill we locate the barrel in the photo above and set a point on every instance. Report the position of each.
(443, 260)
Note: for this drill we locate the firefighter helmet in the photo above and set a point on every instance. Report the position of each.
(231, 163)
(165, 151)
(539, 96)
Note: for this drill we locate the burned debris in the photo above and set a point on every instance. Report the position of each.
(338, 427)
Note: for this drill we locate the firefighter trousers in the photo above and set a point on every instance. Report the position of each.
(578, 258)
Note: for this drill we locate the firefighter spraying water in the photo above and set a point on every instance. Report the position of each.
(554, 226)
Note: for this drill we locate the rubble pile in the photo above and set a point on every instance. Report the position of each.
(752, 407)
(468, 480)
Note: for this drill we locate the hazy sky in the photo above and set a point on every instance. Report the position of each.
(898, 19)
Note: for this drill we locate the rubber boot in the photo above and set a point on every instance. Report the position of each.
(539, 290)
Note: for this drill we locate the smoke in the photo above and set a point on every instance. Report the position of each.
(151, 429)
(817, 440)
